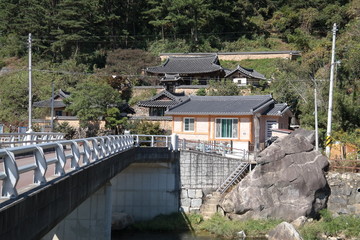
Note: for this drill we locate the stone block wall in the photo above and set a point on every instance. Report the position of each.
(345, 193)
(200, 174)
(191, 200)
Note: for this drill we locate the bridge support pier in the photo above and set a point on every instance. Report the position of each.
(91, 220)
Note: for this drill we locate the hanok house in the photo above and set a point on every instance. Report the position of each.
(247, 121)
(154, 108)
(58, 109)
(61, 115)
(183, 70)
(245, 76)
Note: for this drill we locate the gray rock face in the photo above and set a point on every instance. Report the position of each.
(284, 231)
(287, 183)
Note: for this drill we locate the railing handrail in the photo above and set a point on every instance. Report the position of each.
(32, 133)
(15, 139)
(80, 152)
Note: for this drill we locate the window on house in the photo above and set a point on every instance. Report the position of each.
(58, 113)
(269, 126)
(226, 128)
(188, 124)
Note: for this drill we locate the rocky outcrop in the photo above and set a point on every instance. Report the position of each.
(284, 231)
(287, 183)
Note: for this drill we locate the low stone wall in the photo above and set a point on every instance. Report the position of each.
(345, 193)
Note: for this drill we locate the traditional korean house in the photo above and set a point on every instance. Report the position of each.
(183, 70)
(245, 76)
(246, 121)
(153, 109)
(61, 115)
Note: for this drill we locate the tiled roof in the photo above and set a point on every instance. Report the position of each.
(247, 71)
(170, 78)
(277, 110)
(222, 105)
(175, 98)
(58, 100)
(151, 118)
(188, 65)
(47, 103)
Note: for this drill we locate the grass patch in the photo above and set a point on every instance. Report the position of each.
(344, 225)
(221, 226)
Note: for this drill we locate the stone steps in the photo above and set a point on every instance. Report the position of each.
(210, 205)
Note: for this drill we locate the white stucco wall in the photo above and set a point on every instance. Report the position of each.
(202, 125)
(245, 129)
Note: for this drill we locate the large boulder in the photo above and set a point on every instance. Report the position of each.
(288, 182)
(284, 231)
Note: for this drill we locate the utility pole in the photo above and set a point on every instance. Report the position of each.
(316, 114)
(328, 131)
(52, 107)
(316, 118)
(30, 87)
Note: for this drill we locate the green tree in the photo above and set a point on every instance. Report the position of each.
(115, 121)
(90, 101)
(223, 88)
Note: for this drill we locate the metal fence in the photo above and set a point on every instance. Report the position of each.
(345, 165)
(215, 147)
(22, 139)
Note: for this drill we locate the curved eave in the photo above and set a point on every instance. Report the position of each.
(183, 72)
(154, 104)
(209, 113)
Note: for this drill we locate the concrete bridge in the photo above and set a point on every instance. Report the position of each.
(70, 189)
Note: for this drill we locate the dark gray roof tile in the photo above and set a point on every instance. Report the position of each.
(247, 72)
(188, 65)
(221, 105)
(175, 98)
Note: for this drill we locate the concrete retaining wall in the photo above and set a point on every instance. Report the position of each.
(146, 190)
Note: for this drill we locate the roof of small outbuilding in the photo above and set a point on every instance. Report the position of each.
(247, 72)
(175, 99)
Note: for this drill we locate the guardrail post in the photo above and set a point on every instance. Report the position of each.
(61, 160)
(40, 160)
(174, 142)
(96, 151)
(12, 176)
(152, 140)
(12, 139)
(76, 155)
(137, 143)
(102, 148)
(117, 143)
(87, 152)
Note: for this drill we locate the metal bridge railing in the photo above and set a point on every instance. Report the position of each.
(36, 164)
(33, 165)
(22, 139)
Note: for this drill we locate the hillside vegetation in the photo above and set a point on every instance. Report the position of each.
(75, 42)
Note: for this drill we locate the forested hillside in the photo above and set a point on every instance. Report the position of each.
(81, 41)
